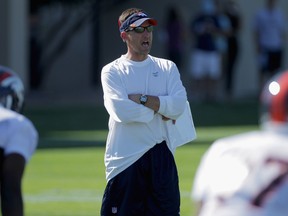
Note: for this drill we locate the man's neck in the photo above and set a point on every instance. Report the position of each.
(136, 57)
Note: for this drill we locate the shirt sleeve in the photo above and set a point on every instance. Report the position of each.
(173, 105)
(207, 173)
(22, 137)
(221, 172)
(116, 100)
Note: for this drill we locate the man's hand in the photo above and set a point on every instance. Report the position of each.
(164, 118)
(152, 103)
(135, 97)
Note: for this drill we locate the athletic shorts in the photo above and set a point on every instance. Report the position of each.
(270, 61)
(205, 64)
(149, 187)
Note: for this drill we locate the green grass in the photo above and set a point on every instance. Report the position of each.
(66, 174)
(66, 181)
(71, 181)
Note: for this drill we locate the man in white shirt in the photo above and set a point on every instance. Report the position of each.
(247, 174)
(18, 141)
(270, 32)
(144, 96)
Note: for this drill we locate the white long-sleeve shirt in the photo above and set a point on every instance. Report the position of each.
(134, 128)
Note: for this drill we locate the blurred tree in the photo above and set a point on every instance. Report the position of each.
(48, 43)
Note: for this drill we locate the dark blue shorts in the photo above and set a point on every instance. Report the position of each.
(149, 187)
(271, 61)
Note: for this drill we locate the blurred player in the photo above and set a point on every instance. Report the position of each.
(247, 174)
(18, 140)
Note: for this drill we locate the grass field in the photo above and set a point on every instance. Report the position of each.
(66, 175)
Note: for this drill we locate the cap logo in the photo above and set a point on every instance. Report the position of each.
(141, 14)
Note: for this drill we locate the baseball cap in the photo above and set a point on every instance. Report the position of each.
(136, 20)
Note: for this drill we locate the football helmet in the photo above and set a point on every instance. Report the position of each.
(274, 100)
(11, 90)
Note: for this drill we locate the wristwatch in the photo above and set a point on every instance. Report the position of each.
(143, 99)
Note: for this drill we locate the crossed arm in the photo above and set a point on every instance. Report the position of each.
(153, 103)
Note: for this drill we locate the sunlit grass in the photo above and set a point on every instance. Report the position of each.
(66, 176)
(71, 181)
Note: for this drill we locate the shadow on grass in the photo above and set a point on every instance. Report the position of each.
(46, 144)
(225, 114)
(53, 122)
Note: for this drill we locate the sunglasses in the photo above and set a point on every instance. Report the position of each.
(141, 29)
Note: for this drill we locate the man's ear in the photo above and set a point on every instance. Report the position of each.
(123, 35)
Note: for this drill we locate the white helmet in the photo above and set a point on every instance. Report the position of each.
(11, 90)
(274, 100)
